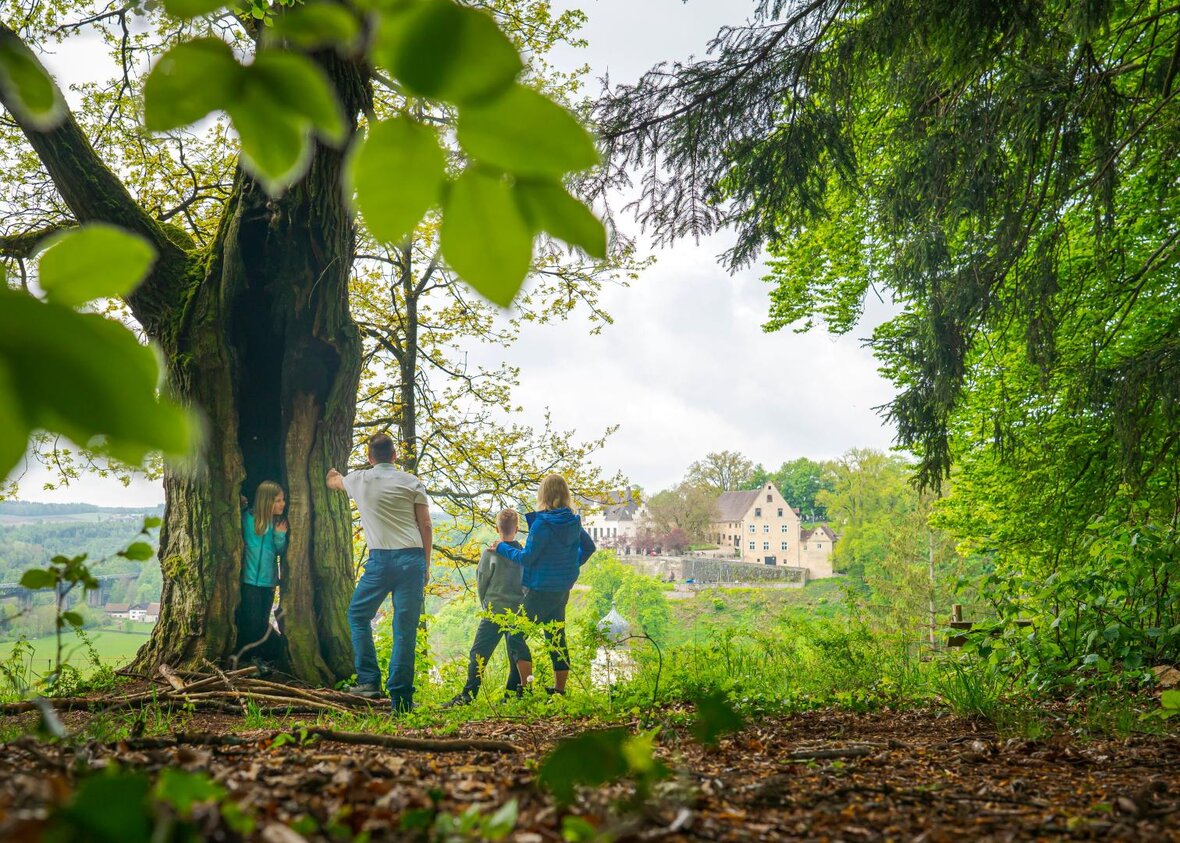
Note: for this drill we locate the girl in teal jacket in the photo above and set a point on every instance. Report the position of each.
(264, 531)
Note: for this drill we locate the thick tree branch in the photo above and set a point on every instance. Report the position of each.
(95, 194)
(24, 244)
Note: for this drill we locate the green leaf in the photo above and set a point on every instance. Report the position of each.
(188, 82)
(37, 579)
(398, 173)
(317, 25)
(88, 378)
(14, 428)
(138, 552)
(1170, 699)
(548, 207)
(445, 51)
(276, 148)
(525, 132)
(715, 717)
(95, 261)
(108, 807)
(484, 236)
(297, 84)
(152, 522)
(182, 790)
(72, 618)
(33, 93)
(591, 758)
(192, 8)
(500, 824)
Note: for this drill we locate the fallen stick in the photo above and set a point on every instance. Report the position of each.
(355, 738)
(228, 684)
(279, 702)
(830, 752)
(170, 677)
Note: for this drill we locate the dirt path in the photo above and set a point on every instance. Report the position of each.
(819, 776)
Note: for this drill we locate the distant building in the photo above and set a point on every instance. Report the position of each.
(620, 522)
(153, 613)
(758, 525)
(120, 611)
(137, 612)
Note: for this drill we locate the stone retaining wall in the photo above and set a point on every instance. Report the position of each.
(703, 569)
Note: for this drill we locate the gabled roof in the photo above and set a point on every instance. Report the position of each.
(822, 528)
(116, 607)
(616, 505)
(733, 506)
(153, 608)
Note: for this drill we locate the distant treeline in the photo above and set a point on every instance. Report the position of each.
(31, 508)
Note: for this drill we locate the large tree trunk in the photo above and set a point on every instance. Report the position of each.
(259, 341)
(268, 352)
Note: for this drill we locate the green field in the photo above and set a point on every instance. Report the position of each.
(114, 649)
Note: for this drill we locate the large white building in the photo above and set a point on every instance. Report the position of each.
(760, 526)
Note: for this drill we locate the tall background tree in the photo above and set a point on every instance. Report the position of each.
(722, 471)
(1009, 174)
(248, 293)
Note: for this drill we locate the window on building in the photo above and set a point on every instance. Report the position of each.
(780, 512)
(751, 545)
(805, 545)
(784, 546)
(757, 512)
(752, 528)
(785, 530)
(766, 545)
(766, 528)
(770, 498)
(819, 545)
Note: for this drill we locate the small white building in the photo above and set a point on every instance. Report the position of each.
(119, 611)
(619, 522)
(152, 614)
(137, 612)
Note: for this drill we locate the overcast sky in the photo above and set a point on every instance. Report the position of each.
(686, 368)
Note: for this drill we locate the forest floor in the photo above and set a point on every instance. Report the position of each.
(822, 775)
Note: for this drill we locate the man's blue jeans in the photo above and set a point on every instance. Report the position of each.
(402, 572)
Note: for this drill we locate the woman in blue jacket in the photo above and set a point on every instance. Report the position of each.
(264, 531)
(555, 550)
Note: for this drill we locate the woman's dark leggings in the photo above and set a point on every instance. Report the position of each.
(545, 607)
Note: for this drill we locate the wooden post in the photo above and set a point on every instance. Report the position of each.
(957, 613)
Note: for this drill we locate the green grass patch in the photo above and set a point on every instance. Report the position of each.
(114, 648)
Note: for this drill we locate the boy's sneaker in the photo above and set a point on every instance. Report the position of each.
(553, 692)
(460, 699)
(366, 689)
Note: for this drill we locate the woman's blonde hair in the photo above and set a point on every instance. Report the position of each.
(264, 506)
(553, 493)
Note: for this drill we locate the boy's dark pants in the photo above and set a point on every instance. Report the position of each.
(545, 607)
(487, 637)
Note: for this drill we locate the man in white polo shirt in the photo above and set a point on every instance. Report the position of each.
(395, 514)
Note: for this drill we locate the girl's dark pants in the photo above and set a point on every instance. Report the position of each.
(253, 620)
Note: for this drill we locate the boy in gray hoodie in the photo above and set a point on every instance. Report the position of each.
(499, 588)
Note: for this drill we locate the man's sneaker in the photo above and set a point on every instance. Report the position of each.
(366, 689)
(460, 699)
